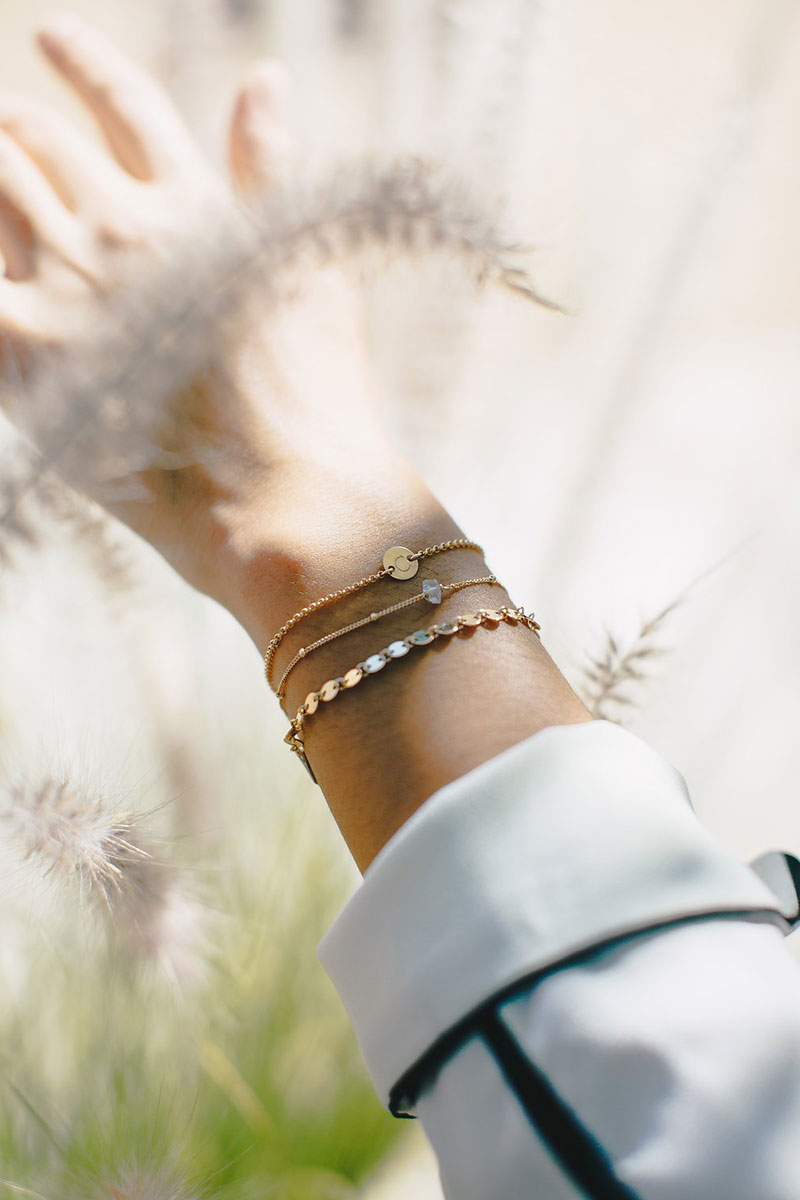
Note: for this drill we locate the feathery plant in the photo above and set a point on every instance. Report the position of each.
(126, 1082)
(606, 677)
(95, 421)
(97, 536)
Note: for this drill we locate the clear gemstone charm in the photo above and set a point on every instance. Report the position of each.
(432, 591)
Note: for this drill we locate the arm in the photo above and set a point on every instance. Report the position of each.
(381, 750)
(548, 960)
(304, 492)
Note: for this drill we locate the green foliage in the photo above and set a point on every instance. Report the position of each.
(239, 1079)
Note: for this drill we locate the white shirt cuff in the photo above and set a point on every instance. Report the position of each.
(577, 836)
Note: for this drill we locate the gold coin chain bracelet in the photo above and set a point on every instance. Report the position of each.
(398, 563)
(432, 591)
(397, 649)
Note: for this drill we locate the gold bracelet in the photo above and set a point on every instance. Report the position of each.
(376, 662)
(432, 591)
(398, 563)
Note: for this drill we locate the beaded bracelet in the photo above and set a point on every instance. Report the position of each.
(432, 591)
(398, 563)
(376, 662)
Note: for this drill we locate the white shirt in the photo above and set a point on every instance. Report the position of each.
(575, 989)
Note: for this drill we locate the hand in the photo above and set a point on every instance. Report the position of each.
(277, 427)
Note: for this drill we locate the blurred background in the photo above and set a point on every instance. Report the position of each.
(630, 464)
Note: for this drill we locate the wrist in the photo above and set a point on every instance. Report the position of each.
(315, 530)
(382, 749)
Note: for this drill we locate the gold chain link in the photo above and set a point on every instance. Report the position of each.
(341, 593)
(446, 588)
(376, 662)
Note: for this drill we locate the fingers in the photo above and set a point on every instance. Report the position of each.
(139, 121)
(33, 211)
(262, 150)
(81, 174)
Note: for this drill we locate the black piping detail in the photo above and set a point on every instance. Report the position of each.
(405, 1093)
(763, 867)
(794, 871)
(580, 1156)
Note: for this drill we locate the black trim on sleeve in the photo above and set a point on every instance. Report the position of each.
(580, 1156)
(773, 862)
(405, 1093)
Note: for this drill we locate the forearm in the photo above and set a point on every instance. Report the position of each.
(379, 750)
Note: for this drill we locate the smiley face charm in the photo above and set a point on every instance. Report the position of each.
(399, 564)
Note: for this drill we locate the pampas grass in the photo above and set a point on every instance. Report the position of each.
(73, 836)
(250, 1086)
(79, 842)
(410, 207)
(608, 675)
(100, 418)
(96, 535)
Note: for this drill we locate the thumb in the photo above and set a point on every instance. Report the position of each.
(261, 147)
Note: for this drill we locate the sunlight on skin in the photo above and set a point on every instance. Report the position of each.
(303, 491)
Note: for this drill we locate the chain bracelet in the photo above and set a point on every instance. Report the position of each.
(431, 589)
(398, 649)
(398, 563)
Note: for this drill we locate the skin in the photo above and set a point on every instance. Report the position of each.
(305, 490)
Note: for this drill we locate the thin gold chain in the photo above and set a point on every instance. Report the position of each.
(376, 662)
(447, 589)
(340, 593)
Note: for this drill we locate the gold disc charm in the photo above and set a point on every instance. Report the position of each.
(398, 563)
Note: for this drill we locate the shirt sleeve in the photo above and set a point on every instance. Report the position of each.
(575, 988)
